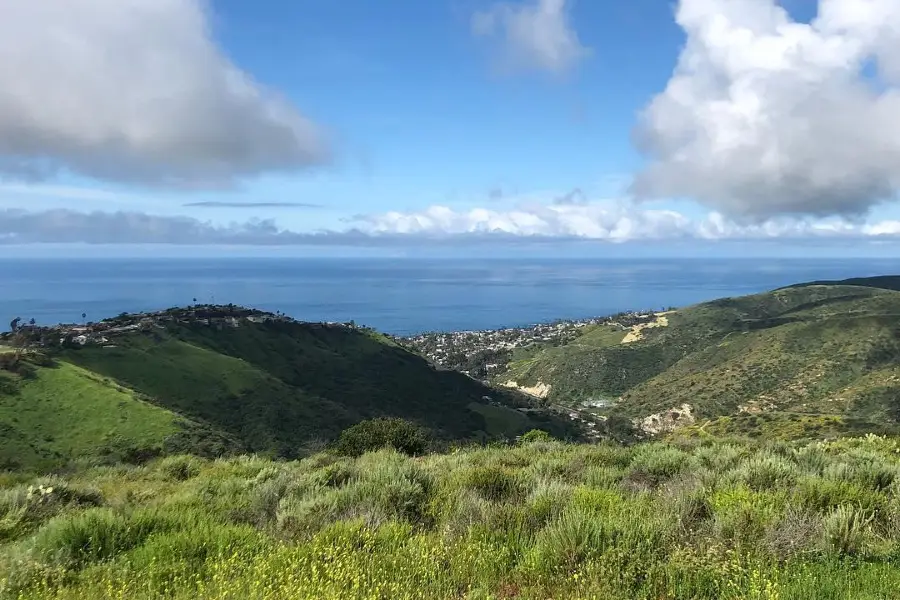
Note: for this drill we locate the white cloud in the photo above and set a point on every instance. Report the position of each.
(609, 221)
(136, 91)
(594, 221)
(613, 222)
(766, 116)
(537, 36)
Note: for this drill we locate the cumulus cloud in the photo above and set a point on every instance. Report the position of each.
(536, 35)
(767, 116)
(136, 91)
(611, 222)
(596, 221)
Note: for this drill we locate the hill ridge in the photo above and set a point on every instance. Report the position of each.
(239, 379)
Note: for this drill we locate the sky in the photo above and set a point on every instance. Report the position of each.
(722, 126)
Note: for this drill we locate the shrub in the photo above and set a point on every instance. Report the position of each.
(335, 474)
(687, 501)
(492, 483)
(192, 547)
(388, 486)
(824, 495)
(366, 436)
(266, 496)
(846, 530)
(24, 508)
(766, 472)
(659, 462)
(603, 477)
(180, 468)
(566, 542)
(872, 474)
(812, 458)
(797, 532)
(742, 516)
(719, 457)
(547, 500)
(94, 535)
(535, 435)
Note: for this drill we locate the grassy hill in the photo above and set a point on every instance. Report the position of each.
(276, 388)
(797, 361)
(62, 411)
(703, 520)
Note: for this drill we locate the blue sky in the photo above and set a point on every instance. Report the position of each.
(410, 122)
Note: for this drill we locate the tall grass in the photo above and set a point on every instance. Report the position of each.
(539, 520)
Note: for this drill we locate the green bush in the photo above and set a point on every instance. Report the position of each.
(366, 436)
(388, 486)
(535, 435)
(846, 530)
(766, 472)
(493, 483)
(95, 535)
(659, 462)
(180, 468)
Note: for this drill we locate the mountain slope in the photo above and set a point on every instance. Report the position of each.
(65, 411)
(259, 384)
(813, 351)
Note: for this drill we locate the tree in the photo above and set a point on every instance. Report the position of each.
(83, 318)
(32, 322)
(14, 324)
(535, 435)
(366, 436)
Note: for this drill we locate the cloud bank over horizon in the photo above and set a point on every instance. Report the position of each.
(766, 116)
(137, 92)
(605, 222)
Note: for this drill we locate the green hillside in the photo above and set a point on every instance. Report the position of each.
(65, 411)
(798, 357)
(278, 388)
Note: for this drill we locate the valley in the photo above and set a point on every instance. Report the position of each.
(741, 448)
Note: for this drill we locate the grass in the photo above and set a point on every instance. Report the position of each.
(692, 520)
(267, 414)
(67, 411)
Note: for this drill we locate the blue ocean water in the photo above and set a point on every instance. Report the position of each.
(399, 296)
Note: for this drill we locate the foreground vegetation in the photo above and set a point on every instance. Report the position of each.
(694, 519)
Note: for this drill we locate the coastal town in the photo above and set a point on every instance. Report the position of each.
(481, 354)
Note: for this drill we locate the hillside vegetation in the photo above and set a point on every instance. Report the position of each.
(280, 389)
(699, 520)
(811, 358)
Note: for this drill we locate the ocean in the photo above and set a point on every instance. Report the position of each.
(398, 296)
